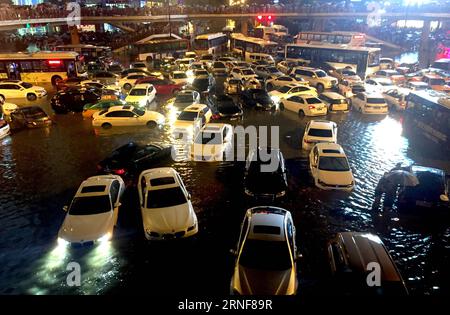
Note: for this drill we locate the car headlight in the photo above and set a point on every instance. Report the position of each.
(275, 99)
(104, 238)
(62, 242)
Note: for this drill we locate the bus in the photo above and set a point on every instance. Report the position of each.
(427, 116)
(160, 46)
(266, 32)
(214, 44)
(341, 38)
(90, 52)
(42, 66)
(252, 48)
(363, 60)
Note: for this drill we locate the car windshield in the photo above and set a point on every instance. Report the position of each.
(219, 65)
(375, 100)
(27, 85)
(188, 116)
(138, 111)
(348, 72)
(437, 82)
(385, 83)
(201, 72)
(321, 74)
(283, 89)
(90, 205)
(163, 198)
(138, 92)
(207, 57)
(248, 72)
(272, 70)
(234, 82)
(34, 112)
(209, 138)
(265, 255)
(180, 75)
(184, 98)
(139, 65)
(338, 101)
(333, 164)
(313, 100)
(201, 84)
(324, 133)
(115, 68)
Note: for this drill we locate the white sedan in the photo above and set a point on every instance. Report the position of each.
(329, 167)
(304, 105)
(127, 116)
(291, 89)
(93, 211)
(166, 207)
(317, 131)
(379, 85)
(141, 95)
(284, 80)
(19, 89)
(213, 143)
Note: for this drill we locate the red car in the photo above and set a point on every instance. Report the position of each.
(163, 87)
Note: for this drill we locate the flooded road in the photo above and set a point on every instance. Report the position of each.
(42, 168)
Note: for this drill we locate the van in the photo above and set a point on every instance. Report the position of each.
(254, 57)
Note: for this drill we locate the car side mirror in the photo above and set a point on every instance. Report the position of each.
(444, 198)
(65, 208)
(233, 252)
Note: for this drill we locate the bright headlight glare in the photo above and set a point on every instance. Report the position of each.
(275, 99)
(104, 238)
(62, 242)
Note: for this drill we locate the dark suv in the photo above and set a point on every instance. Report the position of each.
(74, 99)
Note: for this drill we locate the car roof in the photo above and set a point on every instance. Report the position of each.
(321, 124)
(214, 127)
(382, 80)
(333, 95)
(160, 172)
(195, 108)
(142, 86)
(120, 107)
(330, 149)
(266, 216)
(364, 248)
(101, 180)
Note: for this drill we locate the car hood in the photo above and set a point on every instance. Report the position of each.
(81, 228)
(336, 178)
(263, 282)
(171, 219)
(206, 150)
(134, 98)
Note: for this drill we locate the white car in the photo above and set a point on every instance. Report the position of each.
(130, 80)
(291, 89)
(379, 85)
(4, 127)
(213, 143)
(190, 121)
(19, 89)
(8, 108)
(99, 85)
(166, 207)
(139, 65)
(370, 103)
(286, 66)
(284, 80)
(219, 68)
(141, 95)
(201, 74)
(391, 74)
(207, 60)
(127, 116)
(316, 77)
(304, 105)
(184, 63)
(243, 73)
(179, 77)
(94, 210)
(317, 131)
(330, 168)
(266, 254)
(194, 66)
(335, 102)
(396, 98)
(347, 75)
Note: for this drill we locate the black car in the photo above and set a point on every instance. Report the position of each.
(74, 99)
(258, 99)
(203, 85)
(431, 192)
(265, 174)
(224, 107)
(29, 117)
(131, 158)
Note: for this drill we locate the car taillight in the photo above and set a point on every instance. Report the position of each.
(311, 106)
(99, 167)
(119, 171)
(216, 116)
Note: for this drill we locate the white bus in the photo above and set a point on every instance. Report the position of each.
(89, 52)
(252, 48)
(41, 67)
(269, 32)
(214, 44)
(340, 38)
(363, 60)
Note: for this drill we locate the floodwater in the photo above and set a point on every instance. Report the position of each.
(42, 168)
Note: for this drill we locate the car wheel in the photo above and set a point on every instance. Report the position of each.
(2, 99)
(106, 126)
(151, 124)
(320, 87)
(281, 106)
(127, 86)
(31, 97)
(301, 113)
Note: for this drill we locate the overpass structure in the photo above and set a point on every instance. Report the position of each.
(14, 24)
